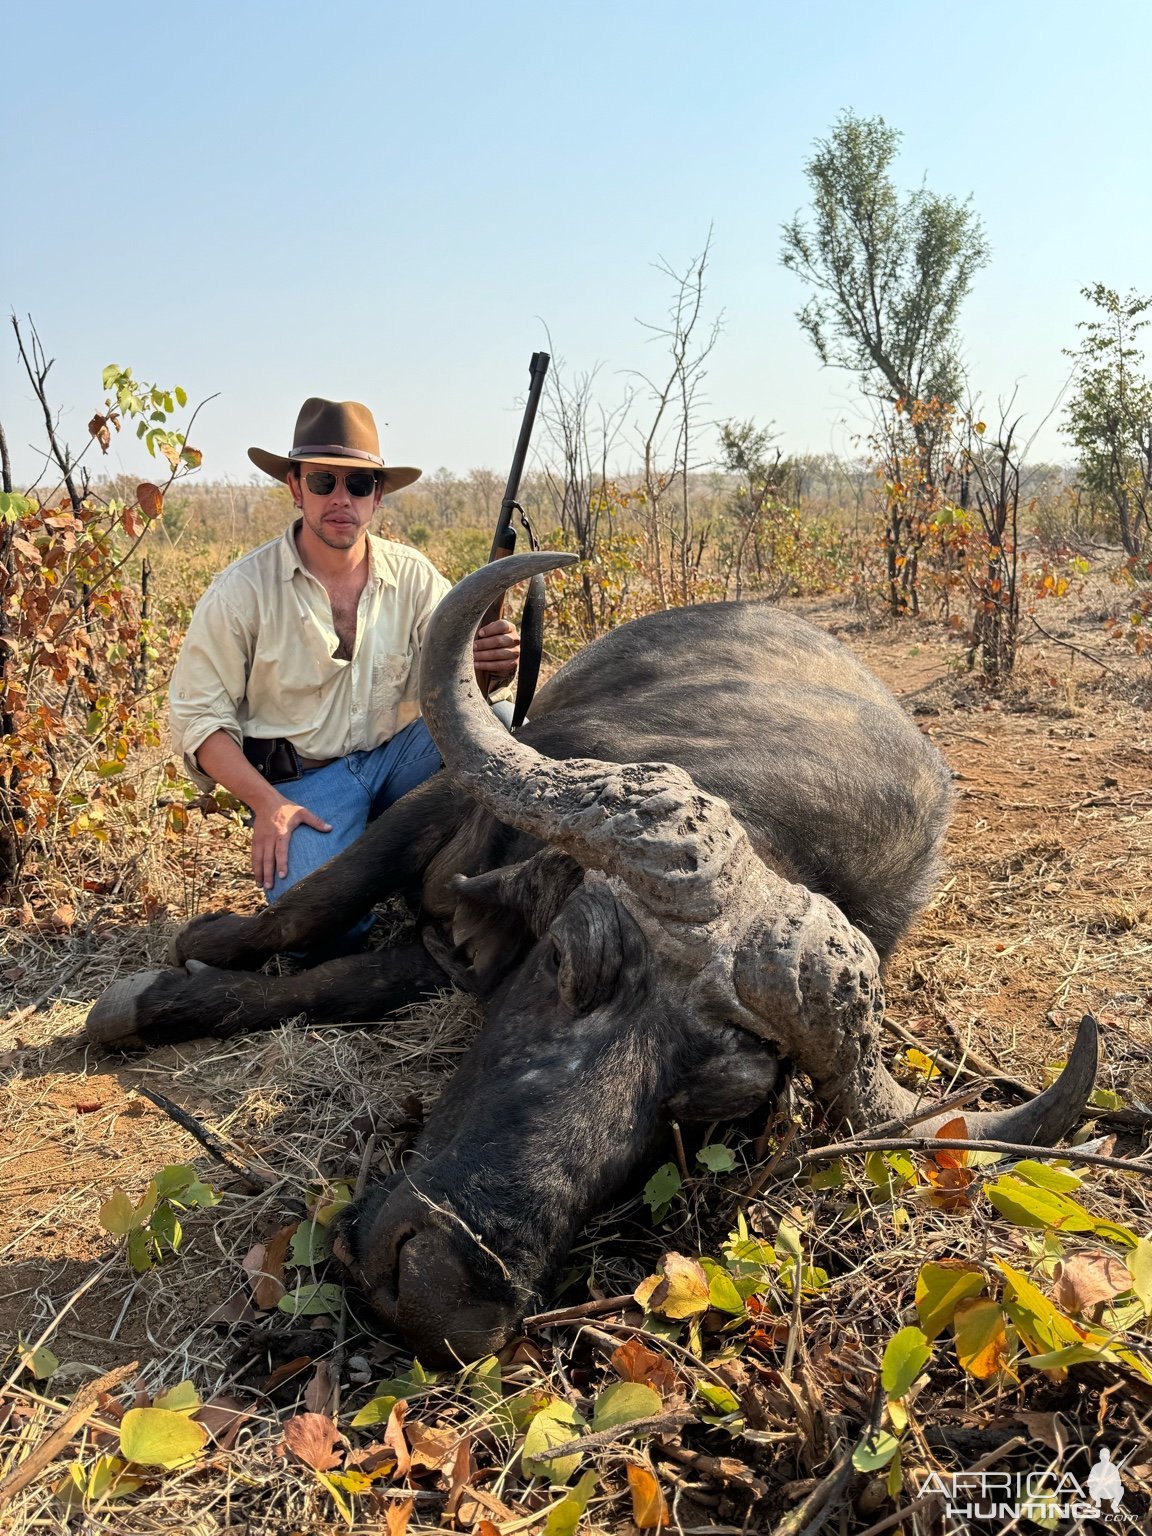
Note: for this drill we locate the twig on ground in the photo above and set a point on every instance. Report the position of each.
(971, 1064)
(601, 1438)
(84, 1405)
(256, 1179)
(601, 1308)
(57, 981)
(681, 1160)
(724, 1469)
(1079, 649)
(814, 1511)
(946, 1144)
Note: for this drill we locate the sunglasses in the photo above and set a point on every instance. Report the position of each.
(322, 482)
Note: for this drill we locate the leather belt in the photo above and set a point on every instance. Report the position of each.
(310, 764)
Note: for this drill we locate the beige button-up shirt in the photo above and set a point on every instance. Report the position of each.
(259, 656)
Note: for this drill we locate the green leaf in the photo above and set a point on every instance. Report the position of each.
(181, 396)
(564, 1517)
(939, 1290)
(13, 507)
(156, 1437)
(165, 1228)
(141, 1250)
(1070, 1354)
(41, 1362)
(723, 1292)
(202, 1195)
(716, 1158)
(1029, 1206)
(378, 1411)
(110, 375)
(830, 1177)
(416, 1383)
(788, 1242)
(662, 1188)
(875, 1452)
(1048, 1176)
(182, 1398)
(553, 1425)
(312, 1300)
(720, 1399)
(311, 1245)
(1104, 1098)
(1140, 1266)
(485, 1386)
(622, 1403)
(327, 1210)
(118, 1214)
(906, 1355)
(172, 1179)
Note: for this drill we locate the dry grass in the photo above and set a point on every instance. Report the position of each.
(1044, 915)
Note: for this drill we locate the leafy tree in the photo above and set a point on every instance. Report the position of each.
(889, 270)
(1109, 417)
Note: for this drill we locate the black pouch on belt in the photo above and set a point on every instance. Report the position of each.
(274, 757)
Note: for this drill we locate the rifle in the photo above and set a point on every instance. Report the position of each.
(504, 544)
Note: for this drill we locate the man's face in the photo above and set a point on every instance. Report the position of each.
(338, 519)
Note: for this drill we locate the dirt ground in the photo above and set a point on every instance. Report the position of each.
(1045, 913)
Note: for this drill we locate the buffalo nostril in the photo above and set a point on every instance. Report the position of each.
(396, 1240)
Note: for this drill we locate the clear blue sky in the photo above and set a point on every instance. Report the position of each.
(389, 202)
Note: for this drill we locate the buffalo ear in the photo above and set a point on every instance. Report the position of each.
(733, 1075)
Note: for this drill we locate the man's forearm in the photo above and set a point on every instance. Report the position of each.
(221, 759)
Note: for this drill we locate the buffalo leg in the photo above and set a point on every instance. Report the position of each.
(388, 858)
(159, 1007)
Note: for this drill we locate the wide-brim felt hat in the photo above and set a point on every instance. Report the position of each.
(339, 434)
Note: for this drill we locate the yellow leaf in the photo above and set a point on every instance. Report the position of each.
(182, 1398)
(649, 1510)
(679, 1289)
(939, 1290)
(157, 1437)
(981, 1337)
(922, 1063)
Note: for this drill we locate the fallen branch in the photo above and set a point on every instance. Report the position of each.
(601, 1308)
(722, 1469)
(946, 1144)
(257, 1180)
(84, 1405)
(1079, 649)
(600, 1438)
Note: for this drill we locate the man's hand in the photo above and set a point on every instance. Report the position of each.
(496, 649)
(272, 830)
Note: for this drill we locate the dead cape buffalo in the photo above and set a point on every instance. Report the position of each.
(679, 881)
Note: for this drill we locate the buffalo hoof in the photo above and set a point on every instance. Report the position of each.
(223, 939)
(113, 1019)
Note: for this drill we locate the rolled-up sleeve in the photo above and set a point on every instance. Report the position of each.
(209, 680)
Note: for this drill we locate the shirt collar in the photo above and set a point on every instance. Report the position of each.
(380, 566)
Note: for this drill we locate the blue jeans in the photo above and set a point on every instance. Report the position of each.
(348, 794)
